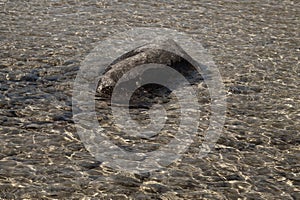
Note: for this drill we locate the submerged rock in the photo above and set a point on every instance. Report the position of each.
(166, 53)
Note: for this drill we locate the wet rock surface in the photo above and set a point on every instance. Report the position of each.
(147, 64)
(166, 52)
(256, 48)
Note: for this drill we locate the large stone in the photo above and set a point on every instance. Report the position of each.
(167, 53)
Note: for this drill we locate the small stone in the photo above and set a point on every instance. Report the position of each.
(52, 78)
(69, 62)
(90, 165)
(156, 187)
(30, 78)
(234, 177)
(20, 63)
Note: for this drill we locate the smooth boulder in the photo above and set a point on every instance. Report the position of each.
(167, 53)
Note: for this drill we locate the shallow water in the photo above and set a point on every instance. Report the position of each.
(255, 45)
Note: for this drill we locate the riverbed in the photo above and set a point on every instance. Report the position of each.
(255, 45)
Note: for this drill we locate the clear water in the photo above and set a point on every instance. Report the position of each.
(255, 45)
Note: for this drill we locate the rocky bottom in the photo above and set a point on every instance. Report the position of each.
(255, 46)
